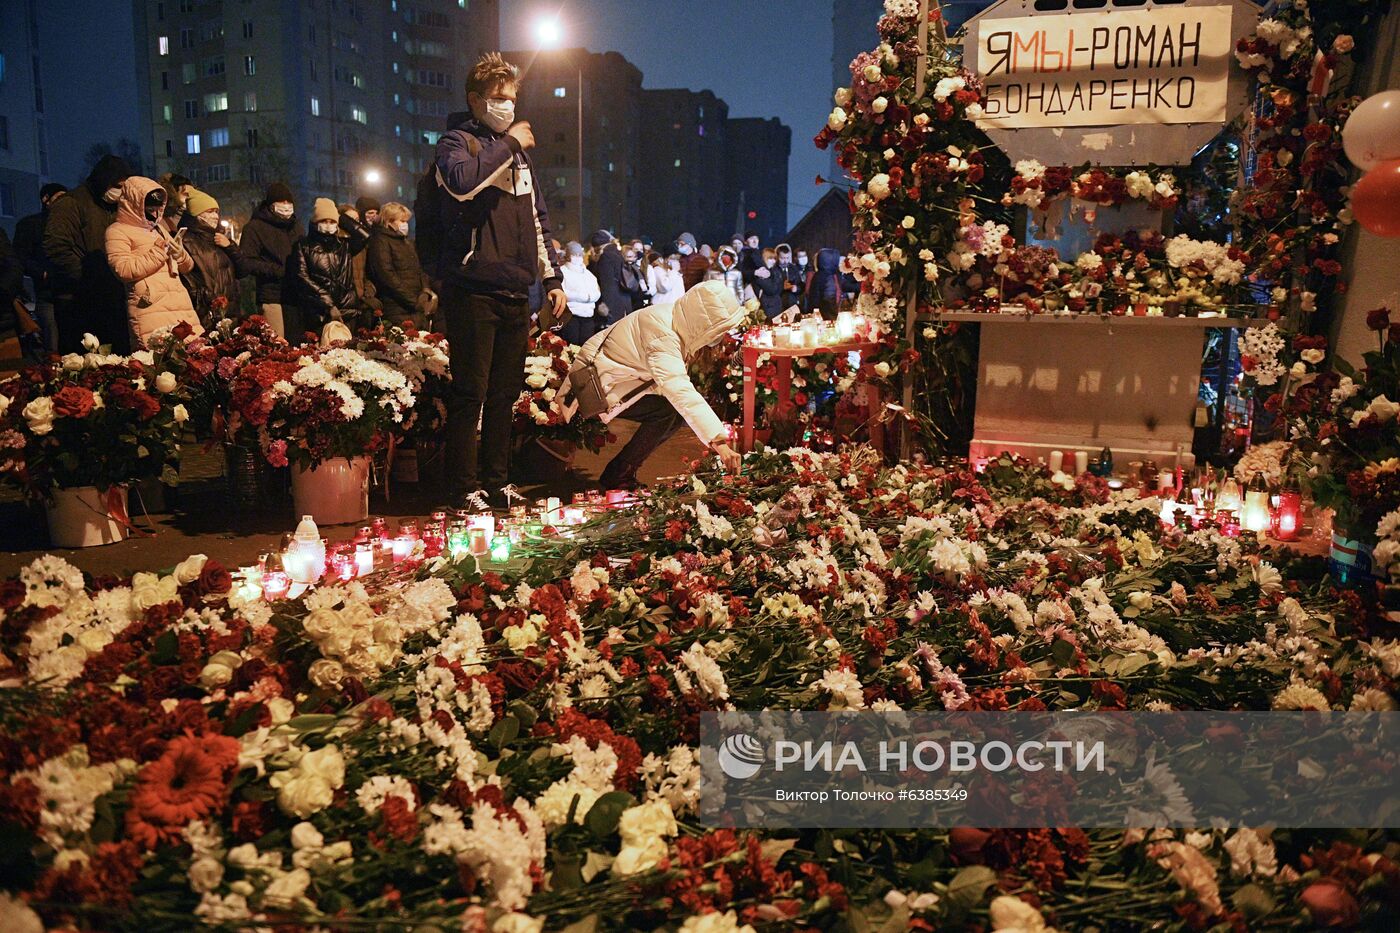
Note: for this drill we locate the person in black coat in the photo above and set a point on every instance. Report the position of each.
(29, 246)
(607, 269)
(263, 251)
(213, 282)
(768, 285)
(320, 282)
(393, 266)
(88, 296)
(828, 286)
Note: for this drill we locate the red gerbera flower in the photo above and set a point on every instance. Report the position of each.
(186, 783)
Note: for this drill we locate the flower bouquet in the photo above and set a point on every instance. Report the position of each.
(539, 413)
(76, 433)
(423, 360)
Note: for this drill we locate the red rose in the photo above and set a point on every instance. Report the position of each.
(1330, 904)
(214, 578)
(72, 402)
(1378, 319)
(967, 844)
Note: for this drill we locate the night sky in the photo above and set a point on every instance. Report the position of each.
(765, 58)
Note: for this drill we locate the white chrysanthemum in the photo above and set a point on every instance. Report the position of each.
(1300, 696)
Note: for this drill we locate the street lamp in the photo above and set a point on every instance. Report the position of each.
(549, 32)
(373, 177)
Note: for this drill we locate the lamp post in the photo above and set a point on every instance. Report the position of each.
(550, 34)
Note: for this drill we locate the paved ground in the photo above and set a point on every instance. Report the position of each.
(202, 520)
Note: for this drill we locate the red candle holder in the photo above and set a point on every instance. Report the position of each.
(1288, 517)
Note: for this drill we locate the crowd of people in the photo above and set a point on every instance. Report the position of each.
(121, 255)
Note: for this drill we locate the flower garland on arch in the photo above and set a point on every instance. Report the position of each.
(1034, 185)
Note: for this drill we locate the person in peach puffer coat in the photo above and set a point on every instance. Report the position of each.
(149, 260)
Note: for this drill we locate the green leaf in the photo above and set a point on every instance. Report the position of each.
(1253, 901)
(166, 647)
(313, 722)
(603, 816)
(524, 712)
(567, 873)
(1063, 652)
(504, 732)
(969, 886)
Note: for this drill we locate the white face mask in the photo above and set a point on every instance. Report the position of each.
(402, 227)
(282, 209)
(112, 194)
(684, 249)
(801, 260)
(327, 227)
(500, 114)
(210, 219)
(770, 263)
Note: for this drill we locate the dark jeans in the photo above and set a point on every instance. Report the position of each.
(579, 329)
(487, 339)
(657, 419)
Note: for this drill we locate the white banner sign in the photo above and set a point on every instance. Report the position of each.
(1167, 65)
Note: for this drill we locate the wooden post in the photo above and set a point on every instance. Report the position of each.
(906, 439)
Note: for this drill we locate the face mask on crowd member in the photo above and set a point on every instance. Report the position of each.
(497, 111)
(737, 243)
(112, 194)
(371, 218)
(770, 261)
(402, 227)
(327, 227)
(283, 209)
(630, 255)
(575, 252)
(802, 259)
(210, 218)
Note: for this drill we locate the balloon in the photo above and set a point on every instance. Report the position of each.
(1372, 132)
(1375, 201)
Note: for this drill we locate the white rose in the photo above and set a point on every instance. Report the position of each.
(882, 369)
(281, 710)
(305, 796)
(872, 73)
(91, 343)
(320, 623)
(306, 836)
(908, 222)
(1383, 408)
(181, 414)
(165, 382)
(1140, 600)
(205, 874)
(1013, 914)
(842, 96)
(4, 404)
(189, 569)
(1313, 356)
(39, 414)
(974, 111)
(326, 674)
(244, 856)
(148, 590)
(879, 186)
(287, 889)
(837, 119)
(536, 381)
(215, 675)
(879, 105)
(517, 923)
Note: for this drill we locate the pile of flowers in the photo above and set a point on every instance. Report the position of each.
(422, 359)
(540, 411)
(505, 750)
(92, 419)
(308, 405)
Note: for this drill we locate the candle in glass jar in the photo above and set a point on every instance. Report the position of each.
(403, 547)
(1288, 520)
(1081, 462)
(782, 336)
(845, 325)
(275, 584)
(811, 331)
(1255, 514)
(379, 528)
(485, 521)
(343, 566)
(364, 559)
(500, 549)
(574, 515)
(1057, 461)
(478, 545)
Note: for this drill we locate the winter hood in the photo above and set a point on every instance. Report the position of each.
(727, 251)
(829, 260)
(110, 170)
(704, 314)
(131, 207)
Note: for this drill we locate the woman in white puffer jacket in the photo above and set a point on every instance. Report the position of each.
(583, 292)
(641, 362)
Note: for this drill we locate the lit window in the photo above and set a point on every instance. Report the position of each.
(359, 115)
(164, 43)
(250, 65)
(315, 106)
(167, 114)
(218, 138)
(216, 102)
(678, 163)
(192, 143)
(561, 92)
(560, 181)
(250, 101)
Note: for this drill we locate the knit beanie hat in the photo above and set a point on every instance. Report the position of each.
(688, 239)
(601, 238)
(199, 202)
(366, 204)
(574, 249)
(324, 209)
(278, 191)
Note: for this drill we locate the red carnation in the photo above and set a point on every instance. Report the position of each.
(1330, 904)
(72, 402)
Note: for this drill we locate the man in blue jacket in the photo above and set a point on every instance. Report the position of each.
(492, 245)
